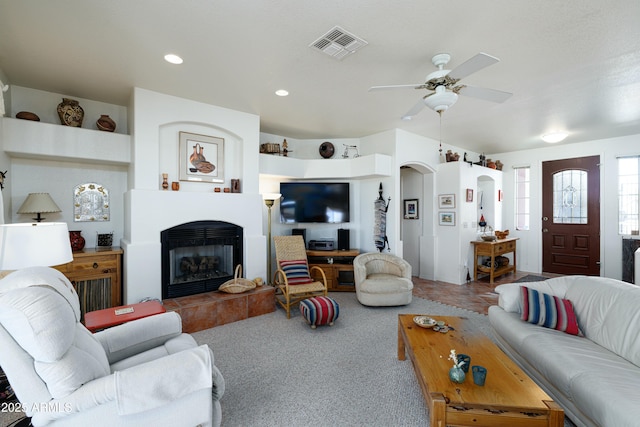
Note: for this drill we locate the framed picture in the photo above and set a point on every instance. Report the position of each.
(469, 195)
(201, 158)
(446, 201)
(411, 209)
(447, 218)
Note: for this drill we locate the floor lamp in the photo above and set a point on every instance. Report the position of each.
(269, 199)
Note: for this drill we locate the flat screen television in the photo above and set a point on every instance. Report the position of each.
(314, 202)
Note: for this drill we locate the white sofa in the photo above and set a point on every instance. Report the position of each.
(142, 373)
(595, 375)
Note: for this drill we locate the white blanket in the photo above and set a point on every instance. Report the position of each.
(163, 380)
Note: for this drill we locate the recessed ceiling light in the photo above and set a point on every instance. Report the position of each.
(173, 59)
(554, 137)
(282, 92)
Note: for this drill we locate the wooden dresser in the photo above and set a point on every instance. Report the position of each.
(97, 277)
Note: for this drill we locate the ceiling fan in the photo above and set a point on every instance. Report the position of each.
(444, 84)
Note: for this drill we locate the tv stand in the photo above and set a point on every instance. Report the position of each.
(337, 267)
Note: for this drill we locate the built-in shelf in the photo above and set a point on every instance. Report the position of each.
(46, 141)
(369, 166)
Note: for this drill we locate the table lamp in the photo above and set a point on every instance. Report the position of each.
(34, 244)
(38, 203)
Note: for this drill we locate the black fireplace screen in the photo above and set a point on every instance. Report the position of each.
(199, 257)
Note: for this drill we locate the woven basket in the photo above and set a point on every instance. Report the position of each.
(237, 285)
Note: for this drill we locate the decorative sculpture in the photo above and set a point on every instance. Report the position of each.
(380, 222)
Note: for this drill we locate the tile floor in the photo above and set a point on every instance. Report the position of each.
(475, 295)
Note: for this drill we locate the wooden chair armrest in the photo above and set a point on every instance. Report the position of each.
(324, 277)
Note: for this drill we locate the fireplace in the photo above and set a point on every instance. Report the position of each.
(199, 256)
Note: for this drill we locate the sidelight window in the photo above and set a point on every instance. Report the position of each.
(523, 197)
(628, 188)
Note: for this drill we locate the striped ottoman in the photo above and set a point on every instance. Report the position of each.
(319, 311)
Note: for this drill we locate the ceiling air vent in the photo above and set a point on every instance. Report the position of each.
(338, 43)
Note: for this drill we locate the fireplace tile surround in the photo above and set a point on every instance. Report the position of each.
(142, 249)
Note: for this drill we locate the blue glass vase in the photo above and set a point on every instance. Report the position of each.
(457, 375)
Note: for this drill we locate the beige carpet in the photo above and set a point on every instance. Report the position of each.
(280, 372)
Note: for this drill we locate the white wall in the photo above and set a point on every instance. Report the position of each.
(530, 243)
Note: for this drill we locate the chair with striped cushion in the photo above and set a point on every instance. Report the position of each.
(292, 279)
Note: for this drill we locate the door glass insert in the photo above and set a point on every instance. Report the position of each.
(570, 197)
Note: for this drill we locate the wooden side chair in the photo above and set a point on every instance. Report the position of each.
(292, 279)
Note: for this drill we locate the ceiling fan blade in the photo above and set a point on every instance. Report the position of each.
(416, 108)
(413, 86)
(492, 95)
(477, 63)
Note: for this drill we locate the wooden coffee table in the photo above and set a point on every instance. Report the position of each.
(508, 398)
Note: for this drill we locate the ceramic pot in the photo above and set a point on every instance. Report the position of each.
(457, 375)
(106, 123)
(77, 241)
(70, 113)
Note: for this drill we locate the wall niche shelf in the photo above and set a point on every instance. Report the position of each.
(46, 141)
(369, 166)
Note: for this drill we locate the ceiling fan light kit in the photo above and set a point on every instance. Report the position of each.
(441, 100)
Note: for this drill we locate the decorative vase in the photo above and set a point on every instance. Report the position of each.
(70, 113)
(106, 123)
(499, 165)
(457, 375)
(165, 181)
(77, 241)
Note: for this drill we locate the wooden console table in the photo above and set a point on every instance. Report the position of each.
(337, 267)
(492, 250)
(96, 276)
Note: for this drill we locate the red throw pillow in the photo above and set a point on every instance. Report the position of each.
(297, 271)
(549, 311)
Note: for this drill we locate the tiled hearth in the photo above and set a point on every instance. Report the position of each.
(204, 311)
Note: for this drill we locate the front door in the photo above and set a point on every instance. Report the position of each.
(571, 216)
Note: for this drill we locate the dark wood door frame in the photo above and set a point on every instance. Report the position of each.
(571, 248)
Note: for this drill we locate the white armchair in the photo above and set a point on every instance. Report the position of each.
(382, 279)
(145, 372)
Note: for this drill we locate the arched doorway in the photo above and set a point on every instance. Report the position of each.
(417, 189)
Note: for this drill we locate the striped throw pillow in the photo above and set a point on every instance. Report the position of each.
(548, 310)
(297, 271)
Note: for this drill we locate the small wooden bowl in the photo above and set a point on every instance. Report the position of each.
(27, 115)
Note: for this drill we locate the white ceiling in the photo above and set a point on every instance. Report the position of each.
(571, 64)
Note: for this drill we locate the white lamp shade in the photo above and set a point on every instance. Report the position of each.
(271, 196)
(38, 203)
(30, 245)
